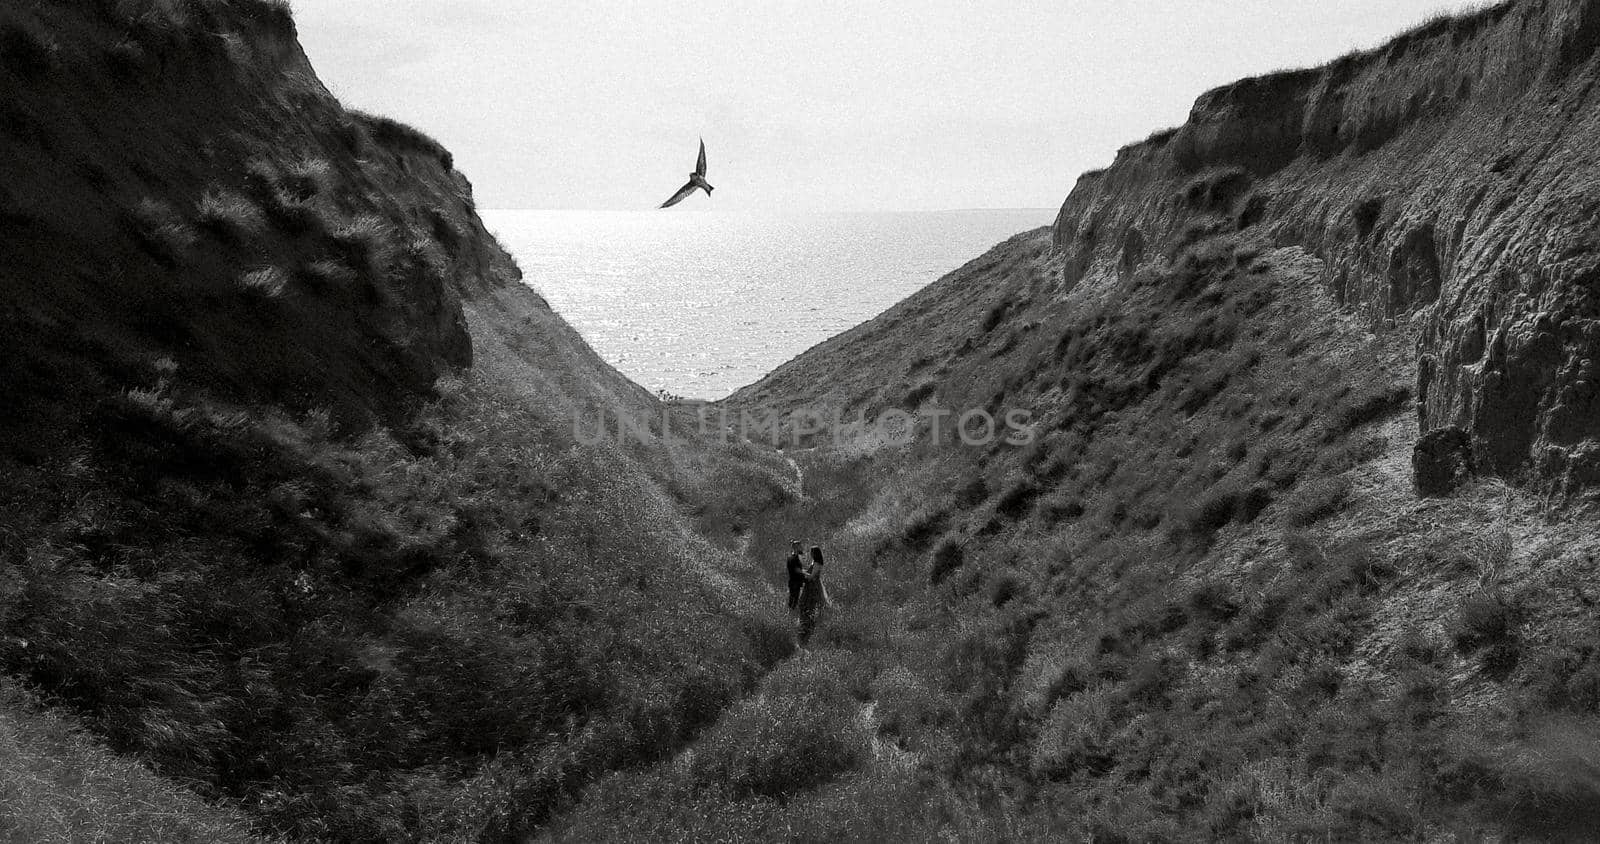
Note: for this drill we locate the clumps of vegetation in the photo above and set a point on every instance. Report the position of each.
(291, 199)
(366, 242)
(1225, 503)
(1367, 405)
(1315, 500)
(801, 732)
(327, 274)
(994, 316)
(1160, 137)
(162, 231)
(408, 621)
(265, 282)
(1018, 498)
(396, 135)
(1060, 507)
(58, 784)
(307, 178)
(922, 528)
(919, 394)
(1216, 192)
(230, 218)
(1486, 624)
(947, 557)
(913, 716)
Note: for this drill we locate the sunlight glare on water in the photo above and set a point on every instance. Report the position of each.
(702, 303)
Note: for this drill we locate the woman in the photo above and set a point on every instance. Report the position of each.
(813, 596)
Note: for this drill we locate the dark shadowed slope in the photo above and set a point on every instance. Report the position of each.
(293, 510)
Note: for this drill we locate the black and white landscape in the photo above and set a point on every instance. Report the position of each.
(1251, 498)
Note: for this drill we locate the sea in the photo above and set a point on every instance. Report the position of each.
(699, 304)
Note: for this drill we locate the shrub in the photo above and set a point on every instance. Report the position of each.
(1485, 618)
(919, 394)
(328, 273)
(367, 243)
(164, 234)
(908, 710)
(922, 527)
(994, 316)
(1078, 734)
(231, 218)
(1017, 498)
(1226, 502)
(782, 742)
(399, 136)
(307, 178)
(293, 212)
(1059, 508)
(1005, 588)
(947, 557)
(1368, 405)
(266, 282)
(972, 493)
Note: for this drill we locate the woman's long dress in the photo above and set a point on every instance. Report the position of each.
(813, 600)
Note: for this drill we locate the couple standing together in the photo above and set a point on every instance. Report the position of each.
(807, 593)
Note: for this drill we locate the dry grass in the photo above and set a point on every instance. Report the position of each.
(162, 231)
(59, 785)
(265, 282)
(231, 218)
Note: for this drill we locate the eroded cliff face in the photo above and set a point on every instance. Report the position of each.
(1447, 182)
(181, 191)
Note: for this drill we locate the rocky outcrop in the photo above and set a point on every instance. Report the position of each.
(1447, 183)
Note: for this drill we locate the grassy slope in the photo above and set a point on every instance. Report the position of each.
(75, 790)
(1206, 603)
(215, 280)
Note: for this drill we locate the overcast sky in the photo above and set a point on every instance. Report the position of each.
(869, 105)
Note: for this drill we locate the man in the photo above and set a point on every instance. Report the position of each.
(797, 574)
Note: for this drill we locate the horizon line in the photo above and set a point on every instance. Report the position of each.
(1050, 208)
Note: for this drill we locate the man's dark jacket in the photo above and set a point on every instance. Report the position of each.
(797, 578)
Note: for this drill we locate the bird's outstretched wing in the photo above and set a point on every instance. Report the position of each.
(700, 168)
(678, 197)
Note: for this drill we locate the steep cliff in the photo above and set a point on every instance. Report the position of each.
(1445, 180)
(180, 185)
(292, 510)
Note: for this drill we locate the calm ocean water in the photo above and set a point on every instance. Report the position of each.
(702, 303)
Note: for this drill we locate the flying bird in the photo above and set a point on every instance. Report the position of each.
(697, 179)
